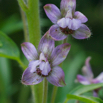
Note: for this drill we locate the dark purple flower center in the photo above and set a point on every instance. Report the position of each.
(66, 30)
(39, 72)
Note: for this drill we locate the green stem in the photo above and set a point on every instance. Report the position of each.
(25, 26)
(45, 90)
(66, 101)
(21, 64)
(55, 88)
(33, 19)
(54, 94)
(65, 40)
(23, 5)
(33, 95)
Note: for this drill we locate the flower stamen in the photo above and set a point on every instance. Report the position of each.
(67, 30)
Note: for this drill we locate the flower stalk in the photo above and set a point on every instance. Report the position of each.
(33, 20)
(26, 36)
(55, 88)
(45, 90)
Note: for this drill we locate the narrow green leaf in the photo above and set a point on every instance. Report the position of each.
(8, 48)
(11, 25)
(83, 99)
(85, 88)
(5, 79)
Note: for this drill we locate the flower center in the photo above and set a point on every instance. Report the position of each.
(67, 30)
(39, 72)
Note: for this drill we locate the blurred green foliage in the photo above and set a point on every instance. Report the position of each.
(11, 89)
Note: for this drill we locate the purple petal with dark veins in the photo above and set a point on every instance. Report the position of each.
(60, 53)
(52, 12)
(73, 24)
(87, 71)
(83, 80)
(69, 13)
(29, 51)
(30, 78)
(82, 33)
(56, 33)
(46, 45)
(45, 67)
(56, 77)
(42, 57)
(98, 79)
(62, 23)
(65, 4)
(78, 15)
(33, 65)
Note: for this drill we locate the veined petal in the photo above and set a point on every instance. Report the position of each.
(46, 45)
(56, 77)
(62, 22)
(29, 51)
(83, 80)
(98, 79)
(87, 71)
(73, 24)
(33, 65)
(45, 67)
(60, 53)
(42, 57)
(82, 33)
(65, 4)
(29, 78)
(78, 15)
(56, 33)
(69, 13)
(52, 12)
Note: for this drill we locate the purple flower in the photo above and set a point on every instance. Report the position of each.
(44, 62)
(88, 76)
(67, 21)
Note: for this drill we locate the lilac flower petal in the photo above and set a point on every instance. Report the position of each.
(33, 65)
(45, 67)
(65, 4)
(52, 12)
(98, 79)
(78, 15)
(42, 57)
(62, 23)
(69, 13)
(83, 80)
(56, 77)
(29, 51)
(46, 45)
(82, 33)
(59, 53)
(73, 24)
(29, 78)
(87, 69)
(56, 33)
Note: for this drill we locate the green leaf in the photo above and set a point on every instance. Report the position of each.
(8, 48)
(85, 88)
(11, 25)
(83, 99)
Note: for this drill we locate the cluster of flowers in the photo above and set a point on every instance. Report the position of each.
(44, 61)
